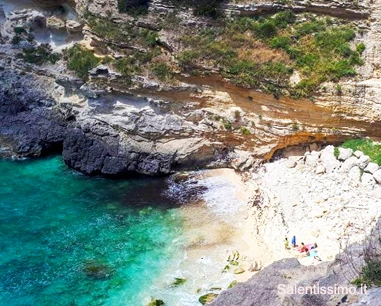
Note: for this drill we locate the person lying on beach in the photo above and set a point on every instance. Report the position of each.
(314, 253)
(303, 248)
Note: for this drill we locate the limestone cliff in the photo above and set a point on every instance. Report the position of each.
(199, 102)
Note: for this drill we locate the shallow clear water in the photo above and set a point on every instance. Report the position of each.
(67, 239)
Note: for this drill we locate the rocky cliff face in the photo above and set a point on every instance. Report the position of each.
(284, 122)
(190, 121)
(117, 139)
(29, 124)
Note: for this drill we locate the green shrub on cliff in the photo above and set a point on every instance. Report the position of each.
(207, 8)
(360, 48)
(81, 60)
(39, 55)
(266, 29)
(122, 32)
(162, 71)
(373, 150)
(263, 52)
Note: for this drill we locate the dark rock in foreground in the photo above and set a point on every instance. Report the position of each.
(98, 142)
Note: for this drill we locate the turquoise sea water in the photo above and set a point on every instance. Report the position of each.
(67, 239)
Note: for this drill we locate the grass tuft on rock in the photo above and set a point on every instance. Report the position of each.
(81, 60)
(336, 152)
(264, 52)
(39, 55)
(367, 146)
(370, 275)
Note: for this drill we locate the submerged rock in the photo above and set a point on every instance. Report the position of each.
(156, 302)
(178, 282)
(97, 271)
(207, 298)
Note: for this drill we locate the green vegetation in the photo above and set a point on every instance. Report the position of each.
(39, 55)
(207, 298)
(228, 126)
(261, 52)
(127, 66)
(135, 61)
(264, 52)
(178, 282)
(16, 40)
(370, 274)
(207, 8)
(367, 146)
(245, 131)
(120, 33)
(360, 48)
(21, 34)
(336, 152)
(295, 127)
(232, 284)
(339, 90)
(321, 52)
(81, 60)
(20, 30)
(155, 302)
(162, 71)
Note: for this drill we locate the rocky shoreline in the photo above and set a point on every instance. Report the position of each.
(317, 197)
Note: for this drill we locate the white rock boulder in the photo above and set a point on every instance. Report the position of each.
(291, 163)
(312, 160)
(349, 164)
(368, 179)
(371, 168)
(363, 161)
(344, 154)
(320, 169)
(328, 159)
(355, 174)
(377, 176)
(358, 153)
